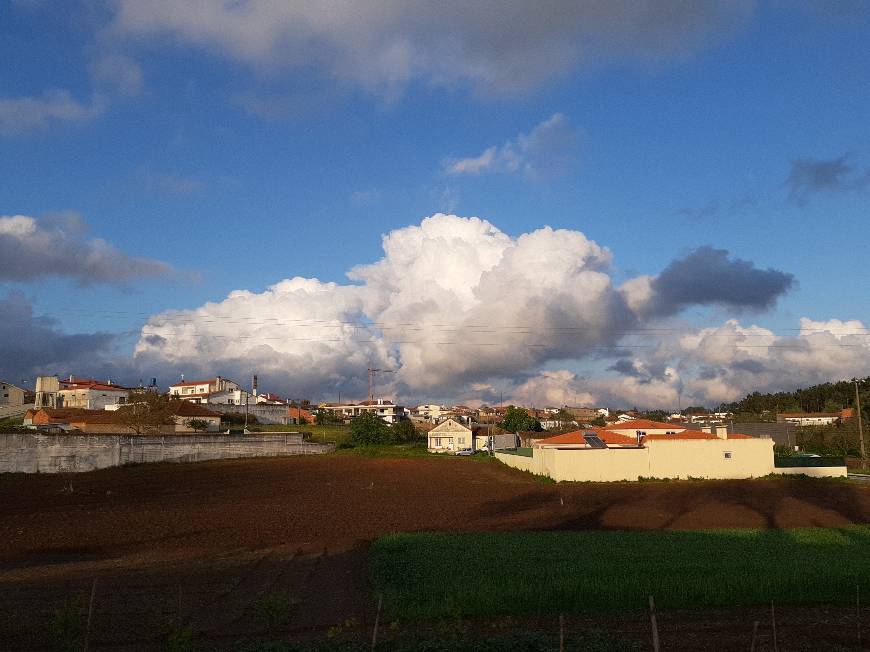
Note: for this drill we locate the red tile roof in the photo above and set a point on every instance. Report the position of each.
(85, 383)
(641, 424)
(576, 437)
(188, 383)
(188, 409)
(696, 434)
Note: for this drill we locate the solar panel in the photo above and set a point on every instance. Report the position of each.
(593, 440)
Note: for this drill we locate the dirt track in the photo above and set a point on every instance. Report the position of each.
(212, 541)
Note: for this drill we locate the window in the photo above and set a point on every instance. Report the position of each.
(728, 455)
(462, 440)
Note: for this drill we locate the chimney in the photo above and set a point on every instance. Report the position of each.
(722, 432)
(639, 435)
(706, 429)
(71, 378)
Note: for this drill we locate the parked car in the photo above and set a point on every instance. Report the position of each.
(465, 451)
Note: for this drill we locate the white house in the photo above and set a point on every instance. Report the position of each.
(813, 418)
(89, 394)
(10, 394)
(450, 436)
(198, 391)
(231, 397)
(386, 410)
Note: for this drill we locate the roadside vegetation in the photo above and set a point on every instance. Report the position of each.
(12, 425)
(442, 575)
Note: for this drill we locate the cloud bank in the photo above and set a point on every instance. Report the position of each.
(31, 345)
(33, 248)
(383, 46)
(454, 306)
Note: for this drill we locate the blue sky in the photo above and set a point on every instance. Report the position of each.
(241, 157)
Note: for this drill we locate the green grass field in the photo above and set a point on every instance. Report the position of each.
(449, 575)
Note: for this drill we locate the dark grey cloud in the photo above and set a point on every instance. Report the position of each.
(31, 345)
(809, 177)
(710, 276)
(33, 248)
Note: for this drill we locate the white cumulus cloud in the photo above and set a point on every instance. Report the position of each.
(455, 307)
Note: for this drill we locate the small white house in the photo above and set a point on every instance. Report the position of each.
(450, 436)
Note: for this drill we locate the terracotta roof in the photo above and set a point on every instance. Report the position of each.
(696, 434)
(88, 417)
(61, 415)
(640, 424)
(576, 437)
(84, 383)
(188, 409)
(188, 383)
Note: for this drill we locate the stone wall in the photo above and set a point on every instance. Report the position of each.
(42, 453)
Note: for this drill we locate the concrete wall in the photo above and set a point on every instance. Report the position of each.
(265, 413)
(815, 471)
(39, 453)
(657, 459)
(705, 458)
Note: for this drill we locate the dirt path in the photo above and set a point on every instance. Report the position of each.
(218, 544)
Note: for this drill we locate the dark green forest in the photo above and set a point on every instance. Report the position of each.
(827, 397)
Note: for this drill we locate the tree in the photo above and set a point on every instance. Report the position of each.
(197, 425)
(518, 420)
(404, 431)
(368, 429)
(145, 412)
(599, 421)
(327, 418)
(657, 415)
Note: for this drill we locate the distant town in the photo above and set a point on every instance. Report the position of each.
(613, 445)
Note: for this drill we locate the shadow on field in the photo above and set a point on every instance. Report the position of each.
(696, 504)
(254, 594)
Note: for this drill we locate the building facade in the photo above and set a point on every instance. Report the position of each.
(450, 436)
(11, 394)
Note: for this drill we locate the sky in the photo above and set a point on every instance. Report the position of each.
(652, 204)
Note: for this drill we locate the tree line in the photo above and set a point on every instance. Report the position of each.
(826, 397)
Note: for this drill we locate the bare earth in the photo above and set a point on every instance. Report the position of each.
(212, 543)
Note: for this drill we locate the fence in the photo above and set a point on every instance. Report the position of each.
(807, 462)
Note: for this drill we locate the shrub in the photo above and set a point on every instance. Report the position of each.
(369, 429)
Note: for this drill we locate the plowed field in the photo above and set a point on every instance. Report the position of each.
(217, 545)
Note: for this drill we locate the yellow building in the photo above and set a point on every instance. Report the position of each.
(680, 454)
